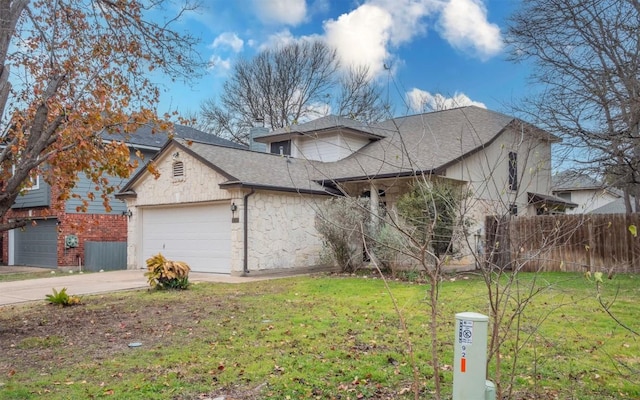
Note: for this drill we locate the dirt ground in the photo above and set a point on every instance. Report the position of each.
(97, 333)
(91, 333)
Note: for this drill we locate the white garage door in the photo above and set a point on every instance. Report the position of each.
(198, 235)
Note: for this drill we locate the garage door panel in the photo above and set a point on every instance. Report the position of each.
(37, 245)
(198, 235)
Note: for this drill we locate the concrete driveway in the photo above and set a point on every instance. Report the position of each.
(98, 282)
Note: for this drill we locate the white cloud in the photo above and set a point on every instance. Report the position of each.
(278, 39)
(464, 24)
(361, 37)
(319, 7)
(369, 34)
(420, 101)
(228, 39)
(408, 17)
(281, 12)
(219, 64)
(284, 38)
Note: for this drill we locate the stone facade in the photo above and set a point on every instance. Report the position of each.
(281, 232)
(199, 184)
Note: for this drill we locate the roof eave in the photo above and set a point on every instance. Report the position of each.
(126, 195)
(247, 185)
(292, 133)
(383, 176)
(537, 198)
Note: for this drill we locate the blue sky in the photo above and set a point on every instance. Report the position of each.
(449, 48)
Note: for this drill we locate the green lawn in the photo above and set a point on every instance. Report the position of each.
(34, 273)
(20, 276)
(308, 337)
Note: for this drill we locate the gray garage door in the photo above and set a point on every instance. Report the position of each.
(36, 245)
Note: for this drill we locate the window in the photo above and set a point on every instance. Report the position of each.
(35, 180)
(513, 170)
(513, 209)
(564, 195)
(178, 169)
(283, 148)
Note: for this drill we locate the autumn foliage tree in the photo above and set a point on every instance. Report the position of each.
(70, 70)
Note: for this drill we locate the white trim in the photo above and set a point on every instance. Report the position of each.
(12, 243)
(34, 186)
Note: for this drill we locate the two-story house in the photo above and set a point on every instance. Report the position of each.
(236, 211)
(59, 230)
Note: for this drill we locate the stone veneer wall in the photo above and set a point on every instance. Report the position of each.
(281, 233)
(199, 185)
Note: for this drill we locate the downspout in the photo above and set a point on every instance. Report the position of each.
(245, 267)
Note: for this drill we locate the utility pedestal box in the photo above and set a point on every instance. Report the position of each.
(470, 358)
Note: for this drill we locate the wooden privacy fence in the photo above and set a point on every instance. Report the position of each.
(579, 243)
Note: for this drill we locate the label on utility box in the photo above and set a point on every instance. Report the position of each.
(465, 332)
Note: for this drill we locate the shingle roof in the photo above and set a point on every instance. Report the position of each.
(536, 198)
(572, 180)
(615, 207)
(423, 142)
(256, 169)
(150, 137)
(408, 145)
(329, 122)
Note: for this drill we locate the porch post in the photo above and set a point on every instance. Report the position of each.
(374, 201)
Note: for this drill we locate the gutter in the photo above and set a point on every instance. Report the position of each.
(253, 186)
(245, 203)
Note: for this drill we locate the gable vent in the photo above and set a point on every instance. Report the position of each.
(178, 169)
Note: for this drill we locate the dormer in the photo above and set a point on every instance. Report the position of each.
(326, 139)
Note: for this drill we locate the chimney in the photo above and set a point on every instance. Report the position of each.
(257, 130)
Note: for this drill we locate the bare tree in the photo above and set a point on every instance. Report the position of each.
(434, 222)
(586, 55)
(68, 71)
(360, 98)
(284, 86)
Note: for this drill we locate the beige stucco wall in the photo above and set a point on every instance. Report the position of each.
(589, 200)
(488, 172)
(488, 175)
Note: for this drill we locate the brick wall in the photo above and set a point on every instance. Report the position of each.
(88, 227)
